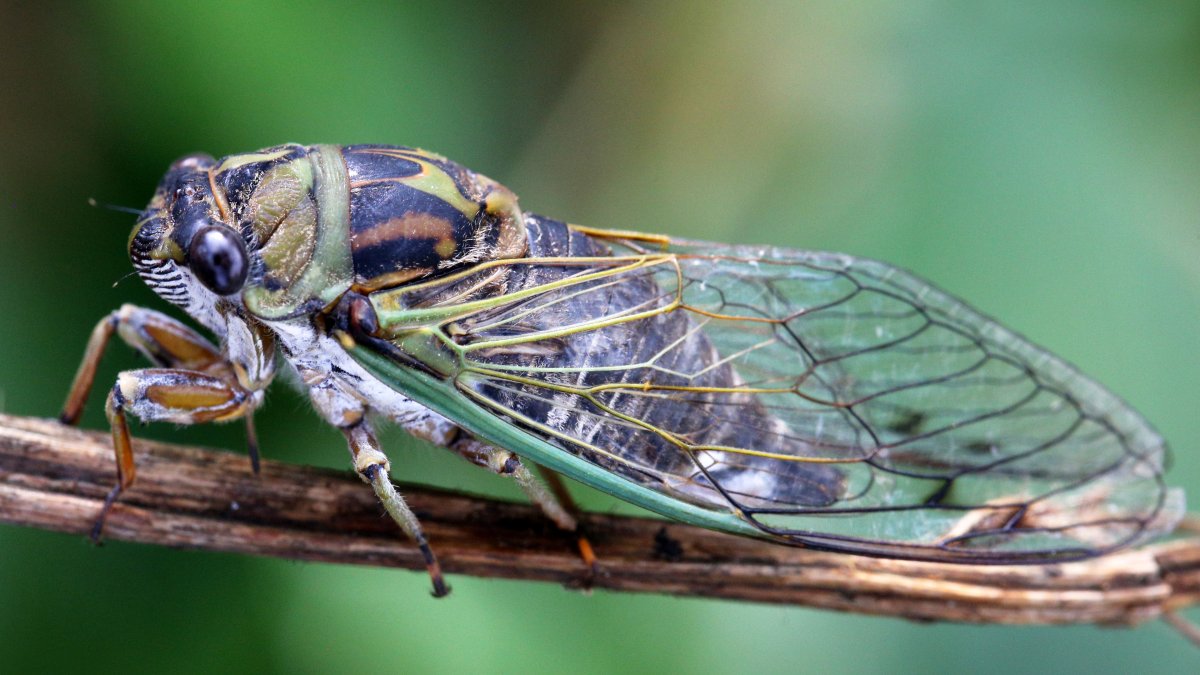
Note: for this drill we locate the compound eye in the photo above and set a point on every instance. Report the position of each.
(218, 259)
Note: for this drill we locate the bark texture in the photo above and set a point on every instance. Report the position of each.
(54, 477)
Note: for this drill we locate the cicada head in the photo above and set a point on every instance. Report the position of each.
(185, 245)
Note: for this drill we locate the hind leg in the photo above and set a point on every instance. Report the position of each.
(551, 497)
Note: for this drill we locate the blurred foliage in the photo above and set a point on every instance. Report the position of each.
(1039, 160)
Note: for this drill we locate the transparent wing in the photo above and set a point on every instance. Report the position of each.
(831, 401)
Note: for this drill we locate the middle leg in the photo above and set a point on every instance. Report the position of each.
(372, 466)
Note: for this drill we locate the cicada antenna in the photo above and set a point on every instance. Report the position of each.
(112, 207)
(94, 203)
(118, 281)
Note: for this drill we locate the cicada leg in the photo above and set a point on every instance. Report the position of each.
(164, 395)
(505, 463)
(336, 401)
(196, 384)
(554, 500)
(559, 490)
(373, 466)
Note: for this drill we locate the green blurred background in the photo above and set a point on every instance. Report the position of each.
(1040, 161)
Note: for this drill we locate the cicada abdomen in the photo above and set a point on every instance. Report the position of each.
(631, 382)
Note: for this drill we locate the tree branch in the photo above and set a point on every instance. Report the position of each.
(54, 477)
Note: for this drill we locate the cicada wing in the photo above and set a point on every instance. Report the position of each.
(831, 401)
(971, 442)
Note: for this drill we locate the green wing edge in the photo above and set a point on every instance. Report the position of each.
(442, 397)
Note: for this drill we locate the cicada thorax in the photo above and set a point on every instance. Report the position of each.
(324, 219)
(414, 214)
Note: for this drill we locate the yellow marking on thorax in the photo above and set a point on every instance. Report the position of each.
(412, 225)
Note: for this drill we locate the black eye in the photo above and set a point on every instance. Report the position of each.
(218, 259)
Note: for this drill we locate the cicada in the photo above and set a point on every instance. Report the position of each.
(808, 398)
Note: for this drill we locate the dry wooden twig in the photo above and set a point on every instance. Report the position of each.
(55, 477)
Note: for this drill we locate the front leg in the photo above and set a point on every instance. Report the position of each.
(165, 395)
(163, 340)
(196, 383)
